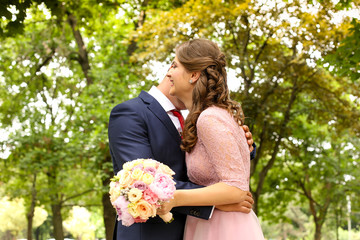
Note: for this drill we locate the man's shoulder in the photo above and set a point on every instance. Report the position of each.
(136, 103)
(131, 102)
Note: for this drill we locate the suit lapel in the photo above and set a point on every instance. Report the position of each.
(154, 106)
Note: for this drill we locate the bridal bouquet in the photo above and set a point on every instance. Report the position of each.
(139, 189)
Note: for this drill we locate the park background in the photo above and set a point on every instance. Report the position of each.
(64, 64)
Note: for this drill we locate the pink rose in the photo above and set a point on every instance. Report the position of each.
(140, 185)
(150, 170)
(126, 219)
(163, 186)
(150, 197)
(139, 166)
(120, 205)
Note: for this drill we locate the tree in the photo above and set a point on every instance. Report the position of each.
(44, 107)
(72, 61)
(273, 48)
(345, 60)
(272, 56)
(319, 169)
(12, 216)
(71, 58)
(79, 224)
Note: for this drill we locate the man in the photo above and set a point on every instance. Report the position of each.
(146, 127)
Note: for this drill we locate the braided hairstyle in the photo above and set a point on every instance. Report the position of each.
(201, 55)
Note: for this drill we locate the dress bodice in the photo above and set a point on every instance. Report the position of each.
(221, 153)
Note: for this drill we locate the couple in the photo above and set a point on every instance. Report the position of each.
(217, 152)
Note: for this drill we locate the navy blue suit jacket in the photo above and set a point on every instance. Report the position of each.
(140, 128)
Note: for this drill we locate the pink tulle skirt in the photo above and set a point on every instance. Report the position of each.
(224, 225)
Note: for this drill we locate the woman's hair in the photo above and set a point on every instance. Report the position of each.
(201, 55)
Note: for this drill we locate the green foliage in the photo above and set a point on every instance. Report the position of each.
(273, 48)
(59, 130)
(345, 61)
(79, 224)
(57, 110)
(13, 216)
(10, 26)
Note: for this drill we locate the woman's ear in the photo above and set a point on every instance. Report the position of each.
(194, 77)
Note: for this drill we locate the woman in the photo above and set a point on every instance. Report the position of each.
(217, 154)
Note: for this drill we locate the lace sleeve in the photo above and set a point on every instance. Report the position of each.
(226, 147)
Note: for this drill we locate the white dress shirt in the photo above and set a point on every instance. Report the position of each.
(166, 105)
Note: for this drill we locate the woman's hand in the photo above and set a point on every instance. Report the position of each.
(244, 206)
(166, 206)
(249, 138)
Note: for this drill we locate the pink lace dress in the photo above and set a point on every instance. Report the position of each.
(221, 155)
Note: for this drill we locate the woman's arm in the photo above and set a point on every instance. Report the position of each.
(229, 162)
(216, 194)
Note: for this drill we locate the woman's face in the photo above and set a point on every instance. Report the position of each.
(179, 78)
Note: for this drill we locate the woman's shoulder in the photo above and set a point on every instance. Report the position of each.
(214, 114)
(214, 111)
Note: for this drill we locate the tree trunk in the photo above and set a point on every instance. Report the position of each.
(263, 173)
(83, 55)
(317, 231)
(30, 214)
(141, 19)
(56, 205)
(8, 236)
(337, 223)
(37, 234)
(57, 221)
(108, 212)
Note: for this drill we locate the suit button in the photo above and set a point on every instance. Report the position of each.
(195, 212)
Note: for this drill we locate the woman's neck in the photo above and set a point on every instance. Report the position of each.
(187, 100)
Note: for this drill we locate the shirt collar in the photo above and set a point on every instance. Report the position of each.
(162, 99)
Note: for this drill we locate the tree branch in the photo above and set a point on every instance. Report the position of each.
(83, 55)
(139, 23)
(77, 195)
(268, 166)
(46, 60)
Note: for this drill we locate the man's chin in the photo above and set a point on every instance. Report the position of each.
(172, 92)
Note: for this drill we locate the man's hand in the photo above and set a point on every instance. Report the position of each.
(244, 206)
(248, 135)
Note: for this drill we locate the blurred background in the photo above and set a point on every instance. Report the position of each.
(294, 65)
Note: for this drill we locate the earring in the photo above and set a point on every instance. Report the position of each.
(190, 81)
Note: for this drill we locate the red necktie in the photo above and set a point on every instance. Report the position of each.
(180, 117)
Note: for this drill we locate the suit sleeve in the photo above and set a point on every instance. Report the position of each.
(253, 153)
(128, 140)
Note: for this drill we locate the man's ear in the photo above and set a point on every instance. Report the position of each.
(195, 76)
